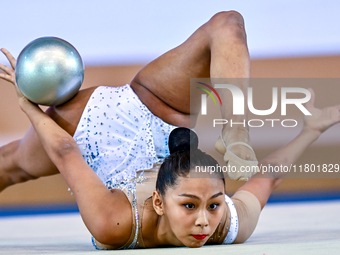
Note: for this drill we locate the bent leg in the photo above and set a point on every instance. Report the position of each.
(218, 49)
(26, 159)
(230, 59)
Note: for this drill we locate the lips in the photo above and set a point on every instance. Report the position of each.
(199, 237)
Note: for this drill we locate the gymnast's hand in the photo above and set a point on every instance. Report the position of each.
(321, 119)
(9, 75)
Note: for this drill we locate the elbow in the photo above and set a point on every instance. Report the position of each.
(100, 232)
(107, 235)
(63, 147)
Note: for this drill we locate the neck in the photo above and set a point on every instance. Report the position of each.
(164, 235)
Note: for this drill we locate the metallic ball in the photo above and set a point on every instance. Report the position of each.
(49, 71)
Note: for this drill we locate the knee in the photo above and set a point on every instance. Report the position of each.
(227, 18)
(10, 170)
(227, 23)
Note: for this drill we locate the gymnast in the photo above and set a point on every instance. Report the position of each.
(166, 207)
(217, 49)
(120, 131)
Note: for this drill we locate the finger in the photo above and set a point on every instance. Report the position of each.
(6, 69)
(7, 77)
(10, 58)
(337, 114)
(337, 109)
(311, 101)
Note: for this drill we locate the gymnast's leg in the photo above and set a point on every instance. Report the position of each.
(235, 65)
(218, 49)
(26, 159)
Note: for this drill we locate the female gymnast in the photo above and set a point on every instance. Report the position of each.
(119, 131)
(171, 209)
(218, 49)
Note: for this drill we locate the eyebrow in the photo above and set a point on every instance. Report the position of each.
(196, 197)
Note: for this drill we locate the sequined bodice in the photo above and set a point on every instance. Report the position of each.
(118, 135)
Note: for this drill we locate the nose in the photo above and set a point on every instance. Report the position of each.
(202, 220)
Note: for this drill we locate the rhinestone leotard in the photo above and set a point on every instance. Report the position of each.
(118, 135)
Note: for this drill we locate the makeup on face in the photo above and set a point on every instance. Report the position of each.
(194, 209)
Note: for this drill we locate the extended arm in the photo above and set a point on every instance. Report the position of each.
(102, 211)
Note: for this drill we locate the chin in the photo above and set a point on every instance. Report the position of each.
(195, 244)
(198, 245)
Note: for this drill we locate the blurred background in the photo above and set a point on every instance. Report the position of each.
(286, 39)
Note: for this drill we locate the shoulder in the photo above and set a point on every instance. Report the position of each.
(115, 230)
(248, 211)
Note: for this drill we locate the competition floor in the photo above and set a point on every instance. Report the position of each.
(283, 228)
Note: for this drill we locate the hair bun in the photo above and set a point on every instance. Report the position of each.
(182, 139)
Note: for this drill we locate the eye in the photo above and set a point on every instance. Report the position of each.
(189, 206)
(214, 206)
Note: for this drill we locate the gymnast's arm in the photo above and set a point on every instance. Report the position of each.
(104, 212)
(262, 185)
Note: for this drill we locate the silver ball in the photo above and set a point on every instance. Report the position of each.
(49, 71)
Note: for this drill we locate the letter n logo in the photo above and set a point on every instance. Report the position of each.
(204, 97)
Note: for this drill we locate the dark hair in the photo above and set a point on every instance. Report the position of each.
(184, 156)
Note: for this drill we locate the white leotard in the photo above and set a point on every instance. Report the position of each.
(118, 135)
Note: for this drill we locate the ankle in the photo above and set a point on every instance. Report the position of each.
(237, 134)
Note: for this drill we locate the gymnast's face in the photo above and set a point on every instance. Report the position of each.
(193, 209)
